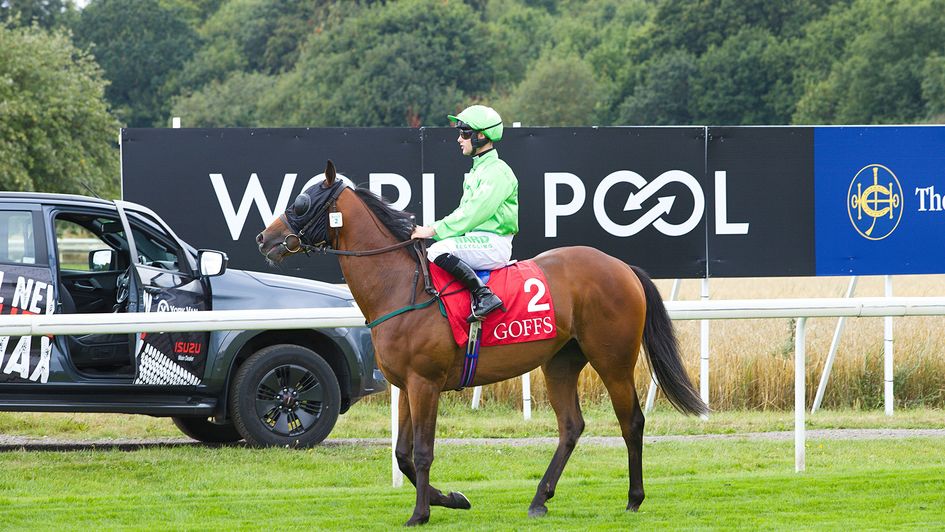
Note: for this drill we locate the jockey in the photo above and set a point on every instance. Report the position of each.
(478, 234)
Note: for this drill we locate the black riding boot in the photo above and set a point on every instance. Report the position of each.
(484, 300)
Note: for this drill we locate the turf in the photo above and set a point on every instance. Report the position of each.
(862, 484)
(457, 420)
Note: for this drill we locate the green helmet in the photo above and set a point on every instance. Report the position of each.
(481, 118)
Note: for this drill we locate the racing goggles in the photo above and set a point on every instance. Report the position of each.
(465, 130)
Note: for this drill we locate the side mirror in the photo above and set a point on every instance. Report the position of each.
(102, 260)
(211, 263)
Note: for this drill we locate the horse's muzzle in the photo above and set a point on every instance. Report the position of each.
(273, 252)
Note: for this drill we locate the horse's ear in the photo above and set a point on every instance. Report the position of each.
(330, 173)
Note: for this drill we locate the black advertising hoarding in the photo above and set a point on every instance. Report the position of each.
(761, 219)
(571, 195)
(682, 202)
(218, 188)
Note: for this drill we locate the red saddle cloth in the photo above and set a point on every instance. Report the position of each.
(530, 313)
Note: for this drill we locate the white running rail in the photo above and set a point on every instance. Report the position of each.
(43, 324)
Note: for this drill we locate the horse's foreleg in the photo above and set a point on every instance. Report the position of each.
(404, 450)
(423, 397)
(404, 454)
(561, 375)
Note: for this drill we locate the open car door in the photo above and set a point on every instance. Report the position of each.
(164, 278)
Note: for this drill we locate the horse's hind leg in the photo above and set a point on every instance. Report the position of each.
(561, 376)
(623, 396)
(404, 454)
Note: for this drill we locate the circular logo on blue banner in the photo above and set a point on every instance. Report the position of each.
(874, 202)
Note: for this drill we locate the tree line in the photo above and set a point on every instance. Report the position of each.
(70, 77)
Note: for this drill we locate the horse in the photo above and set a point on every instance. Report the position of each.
(604, 311)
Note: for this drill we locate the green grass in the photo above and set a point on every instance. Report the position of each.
(456, 420)
(699, 484)
(864, 484)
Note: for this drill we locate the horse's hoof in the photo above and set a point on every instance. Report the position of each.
(417, 521)
(634, 500)
(457, 501)
(538, 511)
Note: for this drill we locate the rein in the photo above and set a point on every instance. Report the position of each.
(369, 252)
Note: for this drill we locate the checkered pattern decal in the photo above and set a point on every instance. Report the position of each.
(155, 368)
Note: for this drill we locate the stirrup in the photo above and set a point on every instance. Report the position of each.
(480, 317)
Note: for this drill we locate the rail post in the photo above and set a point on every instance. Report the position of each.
(800, 389)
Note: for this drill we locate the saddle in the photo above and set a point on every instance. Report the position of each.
(529, 314)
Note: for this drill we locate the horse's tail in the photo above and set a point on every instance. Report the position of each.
(662, 352)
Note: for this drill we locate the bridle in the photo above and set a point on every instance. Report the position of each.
(293, 242)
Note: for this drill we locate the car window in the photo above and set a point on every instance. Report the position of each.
(154, 247)
(154, 252)
(74, 242)
(17, 243)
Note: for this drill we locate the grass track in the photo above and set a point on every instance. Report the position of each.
(699, 484)
(371, 419)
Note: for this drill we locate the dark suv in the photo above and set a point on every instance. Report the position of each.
(74, 254)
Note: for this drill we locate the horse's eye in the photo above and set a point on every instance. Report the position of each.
(302, 204)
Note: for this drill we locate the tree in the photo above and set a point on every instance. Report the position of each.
(46, 13)
(397, 64)
(664, 97)
(519, 32)
(232, 103)
(249, 36)
(745, 80)
(878, 72)
(195, 12)
(558, 91)
(696, 25)
(606, 35)
(56, 134)
(933, 88)
(139, 45)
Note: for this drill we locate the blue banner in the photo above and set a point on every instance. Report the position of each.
(878, 200)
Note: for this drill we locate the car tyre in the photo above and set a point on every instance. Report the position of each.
(202, 429)
(285, 396)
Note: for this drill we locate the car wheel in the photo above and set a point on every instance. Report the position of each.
(285, 395)
(202, 429)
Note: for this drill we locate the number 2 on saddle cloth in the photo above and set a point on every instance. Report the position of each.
(530, 313)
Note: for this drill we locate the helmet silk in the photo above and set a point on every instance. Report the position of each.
(481, 118)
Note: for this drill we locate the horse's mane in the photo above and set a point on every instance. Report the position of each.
(400, 223)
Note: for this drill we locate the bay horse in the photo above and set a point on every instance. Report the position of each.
(604, 311)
